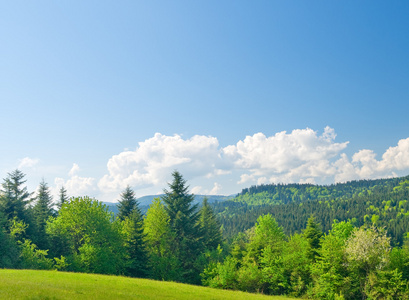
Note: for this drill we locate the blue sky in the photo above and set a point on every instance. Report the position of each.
(99, 94)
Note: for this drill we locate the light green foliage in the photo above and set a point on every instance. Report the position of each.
(266, 233)
(386, 285)
(160, 242)
(91, 242)
(222, 275)
(34, 258)
(296, 264)
(329, 272)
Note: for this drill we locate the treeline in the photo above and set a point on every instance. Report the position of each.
(174, 241)
(346, 263)
(383, 203)
(287, 193)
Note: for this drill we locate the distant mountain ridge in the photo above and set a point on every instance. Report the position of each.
(145, 201)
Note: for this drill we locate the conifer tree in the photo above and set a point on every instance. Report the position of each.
(212, 235)
(313, 234)
(184, 216)
(127, 203)
(42, 210)
(131, 216)
(63, 198)
(15, 198)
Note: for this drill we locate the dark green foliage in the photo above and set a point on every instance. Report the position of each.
(132, 228)
(210, 227)
(14, 197)
(9, 251)
(134, 244)
(127, 204)
(313, 234)
(369, 201)
(42, 210)
(63, 198)
(184, 217)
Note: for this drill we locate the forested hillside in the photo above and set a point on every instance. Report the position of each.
(344, 241)
(382, 202)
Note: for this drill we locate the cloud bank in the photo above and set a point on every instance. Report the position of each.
(299, 156)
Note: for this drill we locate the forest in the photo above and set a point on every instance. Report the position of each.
(342, 241)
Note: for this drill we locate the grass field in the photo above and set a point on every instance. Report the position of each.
(30, 284)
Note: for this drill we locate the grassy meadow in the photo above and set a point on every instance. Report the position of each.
(32, 284)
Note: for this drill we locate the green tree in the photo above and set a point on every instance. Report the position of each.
(127, 204)
(63, 198)
(132, 231)
(330, 272)
(14, 197)
(313, 234)
(212, 235)
(163, 261)
(87, 237)
(42, 210)
(184, 217)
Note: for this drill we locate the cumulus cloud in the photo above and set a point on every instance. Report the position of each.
(74, 170)
(285, 157)
(28, 162)
(76, 185)
(154, 159)
(302, 156)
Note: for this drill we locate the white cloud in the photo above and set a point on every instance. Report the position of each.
(216, 189)
(74, 170)
(285, 157)
(302, 156)
(28, 162)
(154, 160)
(76, 185)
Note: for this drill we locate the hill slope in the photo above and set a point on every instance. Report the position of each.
(383, 202)
(31, 284)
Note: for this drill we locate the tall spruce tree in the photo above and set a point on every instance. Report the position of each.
(131, 217)
(184, 217)
(42, 210)
(127, 204)
(15, 198)
(212, 234)
(63, 198)
(313, 234)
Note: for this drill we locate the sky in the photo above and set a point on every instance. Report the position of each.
(98, 95)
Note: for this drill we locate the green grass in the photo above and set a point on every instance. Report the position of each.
(31, 284)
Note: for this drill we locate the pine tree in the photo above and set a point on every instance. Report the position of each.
(127, 203)
(313, 234)
(63, 198)
(131, 216)
(184, 216)
(212, 235)
(42, 211)
(15, 198)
